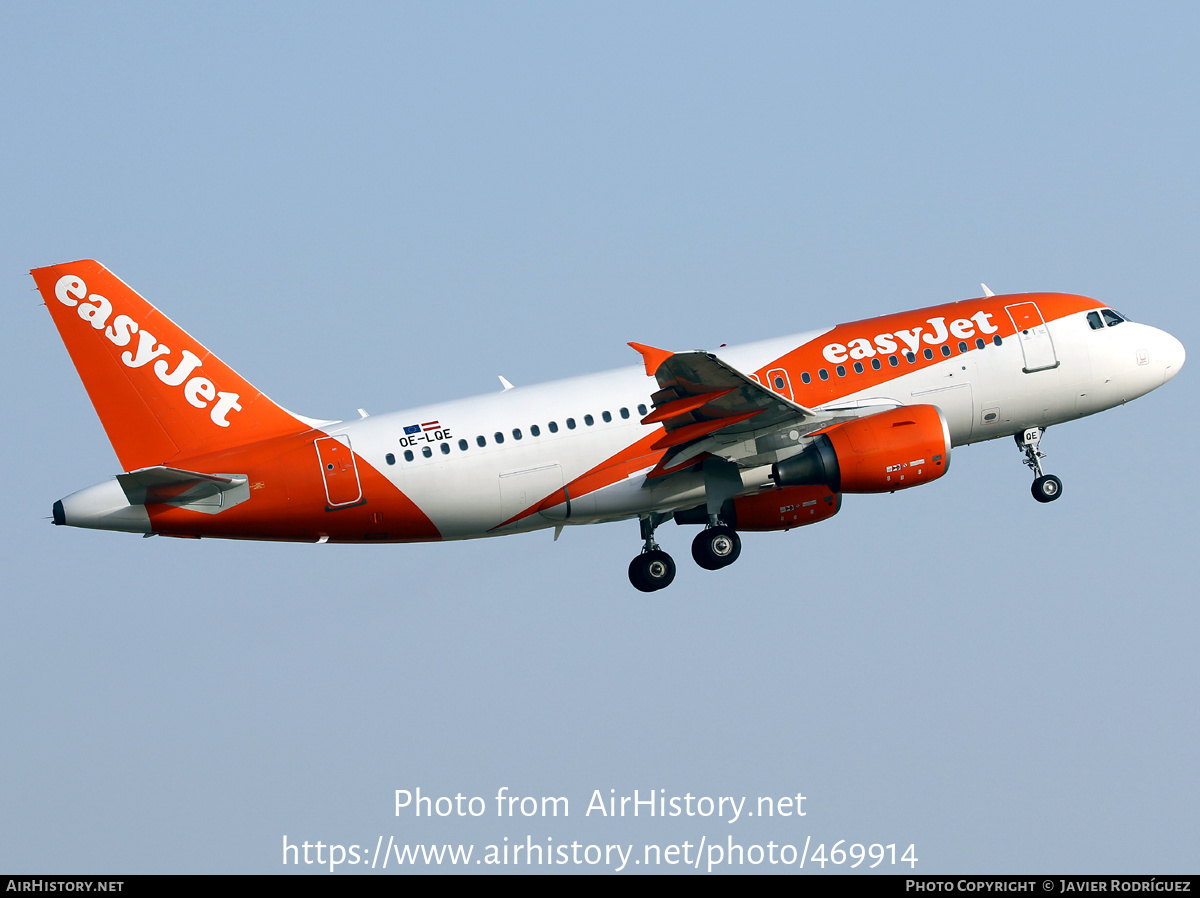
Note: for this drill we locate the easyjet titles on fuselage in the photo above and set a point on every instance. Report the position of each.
(862, 348)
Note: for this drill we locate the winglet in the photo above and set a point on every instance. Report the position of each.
(652, 357)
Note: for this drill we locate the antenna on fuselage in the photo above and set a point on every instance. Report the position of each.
(986, 291)
(504, 381)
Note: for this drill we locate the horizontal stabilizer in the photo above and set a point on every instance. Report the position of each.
(161, 485)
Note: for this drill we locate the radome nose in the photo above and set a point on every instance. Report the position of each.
(1174, 354)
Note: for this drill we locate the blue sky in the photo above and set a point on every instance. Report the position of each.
(385, 205)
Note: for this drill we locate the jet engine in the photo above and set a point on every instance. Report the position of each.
(881, 453)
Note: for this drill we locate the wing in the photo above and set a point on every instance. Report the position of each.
(710, 408)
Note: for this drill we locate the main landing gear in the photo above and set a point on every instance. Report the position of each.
(1046, 487)
(654, 569)
(715, 547)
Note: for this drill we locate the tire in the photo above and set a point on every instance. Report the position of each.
(716, 547)
(652, 571)
(1047, 488)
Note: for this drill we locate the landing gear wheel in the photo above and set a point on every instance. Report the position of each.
(716, 547)
(652, 570)
(1047, 488)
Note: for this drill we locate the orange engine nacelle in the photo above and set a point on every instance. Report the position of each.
(783, 509)
(880, 453)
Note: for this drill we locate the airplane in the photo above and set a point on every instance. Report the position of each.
(764, 436)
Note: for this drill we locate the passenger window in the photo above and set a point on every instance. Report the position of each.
(911, 358)
(1111, 318)
(427, 452)
(806, 377)
(391, 459)
(946, 350)
(876, 364)
(408, 456)
(498, 436)
(445, 448)
(841, 370)
(780, 383)
(624, 413)
(858, 368)
(642, 410)
(996, 339)
(589, 420)
(979, 344)
(516, 433)
(480, 441)
(823, 374)
(462, 445)
(893, 361)
(553, 425)
(962, 347)
(534, 430)
(570, 423)
(928, 353)
(606, 416)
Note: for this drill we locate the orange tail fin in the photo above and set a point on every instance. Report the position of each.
(159, 393)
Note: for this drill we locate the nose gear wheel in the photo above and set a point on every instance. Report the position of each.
(1046, 487)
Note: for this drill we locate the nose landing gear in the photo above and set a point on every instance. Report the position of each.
(1046, 487)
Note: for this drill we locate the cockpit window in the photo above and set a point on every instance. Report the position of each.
(1111, 318)
(1094, 321)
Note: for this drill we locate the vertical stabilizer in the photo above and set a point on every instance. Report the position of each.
(159, 393)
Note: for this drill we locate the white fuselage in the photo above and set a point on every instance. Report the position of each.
(469, 491)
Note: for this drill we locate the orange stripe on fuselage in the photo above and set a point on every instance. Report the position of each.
(861, 341)
(288, 500)
(630, 460)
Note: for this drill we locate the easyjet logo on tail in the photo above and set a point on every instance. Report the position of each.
(198, 390)
(939, 332)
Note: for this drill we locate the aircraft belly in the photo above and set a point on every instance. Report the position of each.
(635, 495)
(527, 487)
